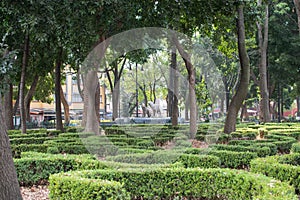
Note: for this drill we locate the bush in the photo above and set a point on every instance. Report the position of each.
(17, 149)
(237, 160)
(229, 159)
(176, 183)
(261, 151)
(284, 168)
(35, 168)
(202, 161)
(157, 157)
(83, 188)
(295, 148)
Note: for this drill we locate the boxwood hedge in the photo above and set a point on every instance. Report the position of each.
(284, 168)
(174, 183)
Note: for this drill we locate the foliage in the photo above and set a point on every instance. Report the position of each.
(179, 183)
(284, 168)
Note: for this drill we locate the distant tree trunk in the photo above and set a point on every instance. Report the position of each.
(59, 124)
(191, 78)
(187, 106)
(9, 185)
(263, 81)
(17, 103)
(297, 6)
(241, 93)
(171, 83)
(115, 100)
(91, 123)
(22, 83)
(66, 107)
(79, 79)
(97, 101)
(8, 107)
(222, 109)
(175, 111)
(244, 112)
(29, 96)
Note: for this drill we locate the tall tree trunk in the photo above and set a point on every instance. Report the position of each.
(175, 111)
(187, 106)
(59, 124)
(79, 79)
(297, 6)
(66, 107)
(263, 31)
(8, 107)
(241, 93)
(22, 83)
(91, 123)
(115, 100)
(171, 83)
(29, 96)
(97, 101)
(192, 95)
(17, 103)
(9, 185)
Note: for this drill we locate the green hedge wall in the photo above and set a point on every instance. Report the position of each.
(284, 168)
(34, 168)
(175, 183)
(229, 159)
(261, 151)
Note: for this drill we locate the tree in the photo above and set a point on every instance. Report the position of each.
(242, 90)
(9, 185)
(263, 31)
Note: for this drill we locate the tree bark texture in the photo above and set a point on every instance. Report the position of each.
(263, 30)
(175, 111)
(91, 123)
(297, 6)
(29, 96)
(8, 108)
(242, 90)
(9, 185)
(59, 124)
(192, 95)
(22, 83)
(66, 107)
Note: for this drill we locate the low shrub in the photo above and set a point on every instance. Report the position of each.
(229, 159)
(35, 168)
(284, 168)
(261, 151)
(85, 188)
(17, 149)
(295, 148)
(202, 161)
(28, 140)
(158, 157)
(177, 183)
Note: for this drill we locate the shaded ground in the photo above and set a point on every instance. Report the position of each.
(35, 193)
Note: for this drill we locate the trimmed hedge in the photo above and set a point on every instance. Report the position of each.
(202, 161)
(284, 168)
(261, 151)
(162, 157)
(295, 148)
(229, 159)
(174, 183)
(34, 168)
(83, 188)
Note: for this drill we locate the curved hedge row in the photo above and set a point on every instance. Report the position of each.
(169, 184)
(284, 168)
